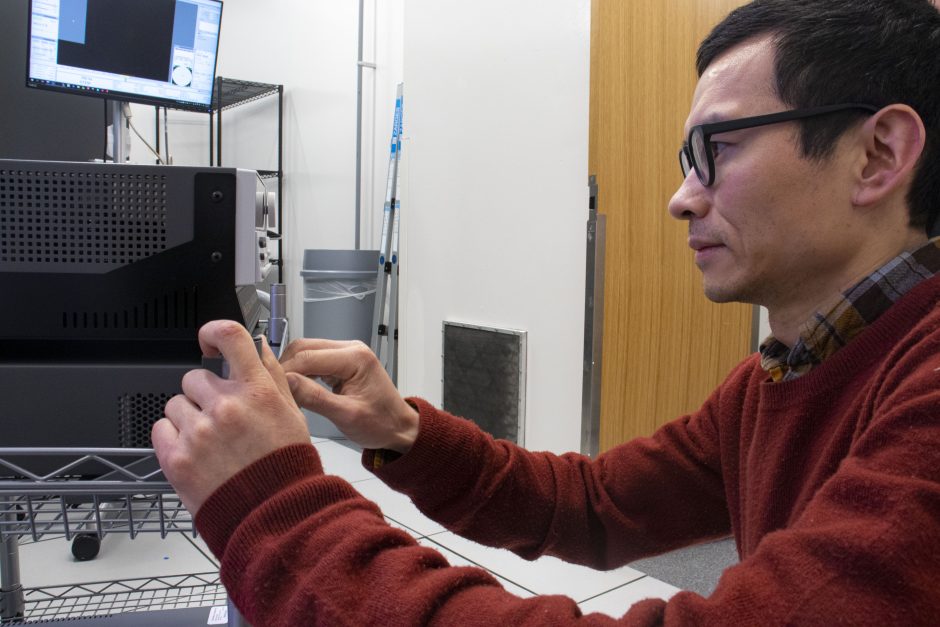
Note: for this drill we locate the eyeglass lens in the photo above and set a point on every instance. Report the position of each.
(694, 156)
(700, 155)
(684, 161)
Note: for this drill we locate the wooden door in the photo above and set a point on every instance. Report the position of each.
(666, 346)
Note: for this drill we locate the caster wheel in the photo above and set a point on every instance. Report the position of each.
(85, 546)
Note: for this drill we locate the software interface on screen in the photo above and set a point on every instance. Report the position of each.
(149, 50)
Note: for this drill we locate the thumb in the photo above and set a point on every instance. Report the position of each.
(314, 396)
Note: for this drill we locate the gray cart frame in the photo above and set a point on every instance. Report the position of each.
(129, 501)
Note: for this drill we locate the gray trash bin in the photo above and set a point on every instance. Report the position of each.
(339, 302)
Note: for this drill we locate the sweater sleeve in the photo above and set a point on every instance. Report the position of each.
(645, 497)
(298, 547)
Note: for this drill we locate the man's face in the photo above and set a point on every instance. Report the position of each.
(772, 223)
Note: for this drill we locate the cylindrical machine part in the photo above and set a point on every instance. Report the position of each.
(278, 320)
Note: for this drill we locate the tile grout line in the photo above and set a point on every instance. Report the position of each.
(478, 565)
(208, 556)
(623, 585)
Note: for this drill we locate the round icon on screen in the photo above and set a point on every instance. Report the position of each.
(182, 76)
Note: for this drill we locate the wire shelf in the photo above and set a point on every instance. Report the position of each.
(79, 491)
(74, 491)
(108, 598)
(63, 514)
(237, 92)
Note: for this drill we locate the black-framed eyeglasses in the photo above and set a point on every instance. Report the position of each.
(697, 153)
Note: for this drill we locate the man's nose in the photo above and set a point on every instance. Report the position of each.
(690, 200)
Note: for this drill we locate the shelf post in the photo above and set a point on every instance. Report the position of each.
(280, 183)
(12, 603)
(218, 121)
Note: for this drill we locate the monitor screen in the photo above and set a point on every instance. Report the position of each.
(159, 52)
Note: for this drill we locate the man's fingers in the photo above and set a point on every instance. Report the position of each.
(305, 344)
(181, 412)
(339, 364)
(164, 436)
(269, 359)
(321, 363)
(267, 354)
(314, 396)
(200, 387)
(234, 343)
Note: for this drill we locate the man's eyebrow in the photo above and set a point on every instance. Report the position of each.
(715, 116)
(711, 118)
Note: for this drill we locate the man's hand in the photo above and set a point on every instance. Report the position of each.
(217, 426)
(364, 403)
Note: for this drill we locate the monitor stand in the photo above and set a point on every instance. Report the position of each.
(120, 133)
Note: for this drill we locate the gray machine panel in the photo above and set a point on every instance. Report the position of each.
(56, 217)
(107, 272)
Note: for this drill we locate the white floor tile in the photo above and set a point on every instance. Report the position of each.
(202, 547)
(546, 575)
(343, 461)
(51, 562)
(616, 602)
(457, 560)
(397, 507)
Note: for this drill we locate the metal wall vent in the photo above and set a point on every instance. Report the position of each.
(136, 415)
(484, 378)
(92, 218)
(178, 310)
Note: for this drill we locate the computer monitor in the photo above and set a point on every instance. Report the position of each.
(107, 272)
(41, 125)
(160, 52)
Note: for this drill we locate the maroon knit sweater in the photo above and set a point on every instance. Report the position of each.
(829, 483)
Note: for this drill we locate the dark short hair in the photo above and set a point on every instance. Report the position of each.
(877, 52)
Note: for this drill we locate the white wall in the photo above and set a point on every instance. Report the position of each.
(494, 171)
(495, 191)
(383, 46)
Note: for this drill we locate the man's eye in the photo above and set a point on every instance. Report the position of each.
(718, 147)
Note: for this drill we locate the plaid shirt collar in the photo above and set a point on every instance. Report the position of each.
(825, 333)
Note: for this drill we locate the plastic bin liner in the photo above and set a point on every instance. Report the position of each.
(316, 291)
(339, 302)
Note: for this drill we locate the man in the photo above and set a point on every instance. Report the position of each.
(821, 455)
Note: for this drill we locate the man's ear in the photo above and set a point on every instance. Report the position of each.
(894, 139)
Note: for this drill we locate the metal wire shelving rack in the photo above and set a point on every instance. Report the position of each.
(231, 92)
(86, 492)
